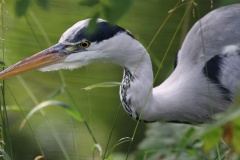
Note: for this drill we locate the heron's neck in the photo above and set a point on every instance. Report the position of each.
(141, 101)
(170, 101)
(136, 89)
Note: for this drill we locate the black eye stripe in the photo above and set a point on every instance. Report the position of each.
(104, 30)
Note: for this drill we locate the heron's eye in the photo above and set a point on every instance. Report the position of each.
(85, 44)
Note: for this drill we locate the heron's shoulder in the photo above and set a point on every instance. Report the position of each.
(216, 33)
(224, 71)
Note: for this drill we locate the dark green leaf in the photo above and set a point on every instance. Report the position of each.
(56, 92)
(92, 24)
(2, 63)
(88, 2)
(21, 7)
(44, 4)
(186, 136)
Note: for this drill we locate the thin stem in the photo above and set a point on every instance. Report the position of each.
(85, 122)
(5, 131)
(34, 135)
(110, 135)
(209, 91)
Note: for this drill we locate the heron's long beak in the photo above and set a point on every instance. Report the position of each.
(44, 58)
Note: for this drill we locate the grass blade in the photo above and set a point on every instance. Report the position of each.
(120, 141)
(71, 111)
(103, 85)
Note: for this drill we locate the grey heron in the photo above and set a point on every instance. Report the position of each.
(204, 81)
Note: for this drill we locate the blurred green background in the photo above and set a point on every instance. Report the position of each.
(41, 26)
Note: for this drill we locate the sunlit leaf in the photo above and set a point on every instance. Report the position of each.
(211, 139)
(71, 111)
(99, 148)
(236, 135)
(44, 4)
(116, 9)
(21, 7)
(39, 157)
(104, 84)
(88, 2)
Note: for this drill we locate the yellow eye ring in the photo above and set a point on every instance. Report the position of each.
(84, 44)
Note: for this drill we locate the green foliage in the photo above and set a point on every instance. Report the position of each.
(236, 135)
(93, 23)
(218, 140)
(119, 142)
(112, 10)
(88, 3)
(175, 141)
(21, 7)
(228, 2)
(44, 4)
(211, 139)
(115, 9)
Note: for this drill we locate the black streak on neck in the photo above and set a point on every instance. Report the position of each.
(128, 77)
(126, 83)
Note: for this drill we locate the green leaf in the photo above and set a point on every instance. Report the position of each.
(236, 135)
(2, 63)
(56, 92)
(43, 4)
(92, 24)
(71, 111)
(15, 108)
(186, 136)
(88, 3)
(104, 84)
(21, 7)
(211, 139)
(99, 148)
(115, 9)
(120, 141)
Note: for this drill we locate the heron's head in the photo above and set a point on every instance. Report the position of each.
(78, 47)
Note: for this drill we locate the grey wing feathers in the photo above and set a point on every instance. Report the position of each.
(224, 71)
